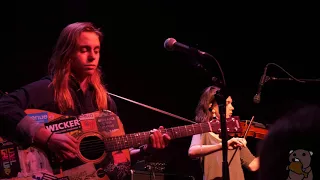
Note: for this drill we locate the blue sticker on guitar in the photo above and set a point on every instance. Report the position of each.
(40, 117)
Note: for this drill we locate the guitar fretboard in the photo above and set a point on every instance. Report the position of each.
(138, 139)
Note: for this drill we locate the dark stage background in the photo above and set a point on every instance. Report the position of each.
(136, 65)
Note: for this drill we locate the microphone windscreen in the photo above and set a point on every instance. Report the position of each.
(168, 44)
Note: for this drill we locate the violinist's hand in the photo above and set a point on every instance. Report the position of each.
(236, 142)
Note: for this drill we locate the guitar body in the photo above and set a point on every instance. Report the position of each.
(92, 161)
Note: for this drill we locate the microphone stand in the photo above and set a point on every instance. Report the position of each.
(221, 97)
(221, 100)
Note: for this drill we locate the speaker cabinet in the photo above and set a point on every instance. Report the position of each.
(146, 175)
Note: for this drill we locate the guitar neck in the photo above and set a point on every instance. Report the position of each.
(138, 139)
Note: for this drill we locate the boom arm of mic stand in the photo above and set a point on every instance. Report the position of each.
(291, 79)
(152, 108)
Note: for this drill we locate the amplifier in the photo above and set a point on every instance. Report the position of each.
(146, 175)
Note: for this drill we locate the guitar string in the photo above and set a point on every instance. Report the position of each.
(135, 136)
(131, 139)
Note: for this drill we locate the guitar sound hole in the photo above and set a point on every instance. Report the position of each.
(92, 147)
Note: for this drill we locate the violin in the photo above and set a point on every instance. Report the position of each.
(256, 130)
(252, 129)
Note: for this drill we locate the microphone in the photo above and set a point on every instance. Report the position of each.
(257, 98)
(172, 45)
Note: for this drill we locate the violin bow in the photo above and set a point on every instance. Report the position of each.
(247, 130)
(244, 136)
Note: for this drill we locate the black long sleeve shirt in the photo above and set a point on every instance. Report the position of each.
(39, 95)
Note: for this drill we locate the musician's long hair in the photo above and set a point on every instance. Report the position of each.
(60, 67)
(203, 112)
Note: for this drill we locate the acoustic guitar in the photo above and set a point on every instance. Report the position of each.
(103, 151)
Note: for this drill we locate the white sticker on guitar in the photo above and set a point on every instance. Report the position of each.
(86, 116)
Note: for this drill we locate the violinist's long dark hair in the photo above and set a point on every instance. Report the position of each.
(203, 112)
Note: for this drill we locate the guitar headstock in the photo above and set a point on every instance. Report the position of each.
(232, 124)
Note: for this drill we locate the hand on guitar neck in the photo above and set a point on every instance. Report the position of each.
(159, 140)
(64, 145)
